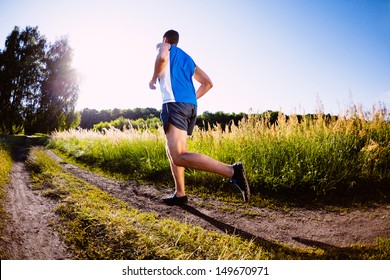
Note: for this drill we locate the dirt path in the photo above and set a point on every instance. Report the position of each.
(297, 226)
(30, 236)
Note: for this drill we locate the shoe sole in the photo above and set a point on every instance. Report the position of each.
(174, 201)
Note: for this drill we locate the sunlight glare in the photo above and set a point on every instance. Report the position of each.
(111, 69)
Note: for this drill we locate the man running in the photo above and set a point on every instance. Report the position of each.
(175, 69)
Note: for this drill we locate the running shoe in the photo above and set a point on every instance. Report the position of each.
(239, 180)
(175, 200)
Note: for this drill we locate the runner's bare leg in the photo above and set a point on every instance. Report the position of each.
(180, 158)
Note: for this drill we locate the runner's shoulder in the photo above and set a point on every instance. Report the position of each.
(163, 46)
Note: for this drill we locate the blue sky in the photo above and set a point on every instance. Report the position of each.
(289, 55)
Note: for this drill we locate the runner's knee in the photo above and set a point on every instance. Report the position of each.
(179, 159)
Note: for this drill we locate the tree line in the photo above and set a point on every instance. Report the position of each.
(142, 118)
(92, 117)
(38, 86)
(149, 117)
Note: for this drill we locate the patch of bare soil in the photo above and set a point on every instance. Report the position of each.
(29, 234)
(295, 226)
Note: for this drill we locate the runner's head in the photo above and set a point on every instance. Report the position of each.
(172, 37)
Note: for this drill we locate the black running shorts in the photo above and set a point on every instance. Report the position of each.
(181, 115)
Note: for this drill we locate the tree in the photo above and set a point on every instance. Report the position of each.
(59, 91)
(21, 72)
(89, 117)
(38, 86)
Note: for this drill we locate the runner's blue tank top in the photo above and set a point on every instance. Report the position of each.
(176, 81)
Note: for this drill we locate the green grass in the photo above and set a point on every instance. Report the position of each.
(319, 157)
(96, 225)
(139, 155)
(5, 170)
(5, 162)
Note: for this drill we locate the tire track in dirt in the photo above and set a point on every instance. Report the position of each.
(296, 226)
(28, 235)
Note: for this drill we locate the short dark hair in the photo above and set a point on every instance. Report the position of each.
(172, 36)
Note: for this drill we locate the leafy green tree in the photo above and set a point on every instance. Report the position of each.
(38, 86)
(21, 73)
(89, 117)
(59, 91)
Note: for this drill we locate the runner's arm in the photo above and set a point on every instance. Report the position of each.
(160, 64)
(205, 82)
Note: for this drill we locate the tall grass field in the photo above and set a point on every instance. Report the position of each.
(315, 155)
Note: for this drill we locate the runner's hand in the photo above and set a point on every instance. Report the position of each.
(152, 84)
